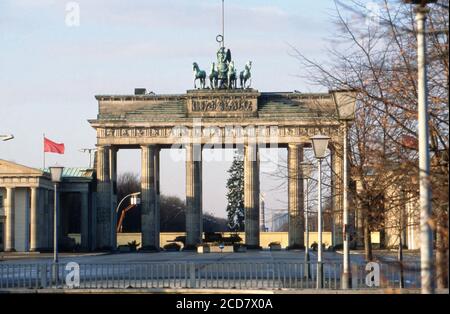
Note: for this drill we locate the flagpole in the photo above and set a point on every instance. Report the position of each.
(43, 143)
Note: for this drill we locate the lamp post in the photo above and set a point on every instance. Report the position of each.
(306, 171)
(426, 233)
(6, 137)
(320, 144)
(345, 101)
(134, 201)
(56, 175)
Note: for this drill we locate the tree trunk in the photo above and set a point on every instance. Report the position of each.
(441, 254)
(400, 259)
(367, 238)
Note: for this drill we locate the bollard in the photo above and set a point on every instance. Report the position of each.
(355, 272)
(43, 276)
(319, 284)
(192, 275)
(55, 274)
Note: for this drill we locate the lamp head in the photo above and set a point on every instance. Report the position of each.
(345, 102)
(135, 200)
(320, 144)
(56, 173)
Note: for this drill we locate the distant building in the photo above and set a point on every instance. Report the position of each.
(27, 203)
(398, 214)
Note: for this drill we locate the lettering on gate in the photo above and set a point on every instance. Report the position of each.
(222, 104)
(214, 131)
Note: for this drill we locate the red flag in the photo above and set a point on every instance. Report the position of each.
(52, 147)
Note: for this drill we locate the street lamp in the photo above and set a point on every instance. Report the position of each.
(306, 168)
(319, 144)
(135, 200)
(345, 102)
(426, 233)
(6, 137)
(56, 175)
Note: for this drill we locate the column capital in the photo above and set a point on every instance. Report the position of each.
(296, 145)
(152, 146)
(103, 146)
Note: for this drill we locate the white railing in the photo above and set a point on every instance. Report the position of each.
(217, 275)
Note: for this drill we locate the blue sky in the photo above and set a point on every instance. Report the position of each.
(49, 72)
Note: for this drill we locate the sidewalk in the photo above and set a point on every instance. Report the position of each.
(214, 291)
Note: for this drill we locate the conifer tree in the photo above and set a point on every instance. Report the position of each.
(235, 194)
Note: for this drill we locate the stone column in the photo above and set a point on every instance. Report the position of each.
(104, 210)
(85, 220)
(43, 227)
(34, 230)
(149, 223)
(336, 192)
(194, 219)
(10, 213)
(296, 202)
(113, 176)
(158, 197)
(93, 221)
(50, 216)
(251, 196)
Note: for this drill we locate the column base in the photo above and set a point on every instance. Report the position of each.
(190, 247)
(253, 247)
(149, 249)
(10, 250)
(346, 280)
(295, 247)
(46, 250)
(105, 249)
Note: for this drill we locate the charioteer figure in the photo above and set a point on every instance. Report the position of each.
(223, 62)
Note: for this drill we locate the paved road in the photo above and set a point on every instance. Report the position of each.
(250, 256)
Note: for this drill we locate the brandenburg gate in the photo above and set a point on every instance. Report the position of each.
(219, 116)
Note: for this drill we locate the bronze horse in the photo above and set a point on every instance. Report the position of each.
(199, 75)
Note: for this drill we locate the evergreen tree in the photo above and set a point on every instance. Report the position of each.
(235, 194)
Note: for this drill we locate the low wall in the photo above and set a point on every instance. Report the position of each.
(265, 238)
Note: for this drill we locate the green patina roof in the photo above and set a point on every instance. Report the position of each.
(271, 105)
(75, 172)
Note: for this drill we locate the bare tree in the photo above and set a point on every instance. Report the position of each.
(374, 53)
